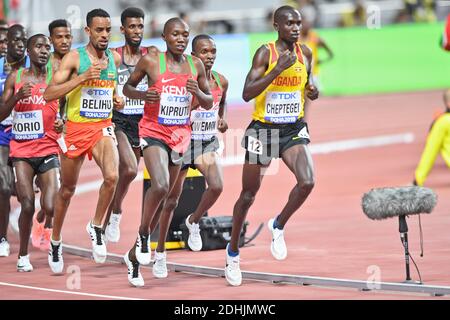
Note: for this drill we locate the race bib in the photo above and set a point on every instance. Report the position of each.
(174, 109)
(282, 107)
(254, 146)
(133, 106)
(204, 123)
(109, 132)
(28, 125)
(96, 103)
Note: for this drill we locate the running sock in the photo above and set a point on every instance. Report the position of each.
(276, 224)
(232, 253)
(55, 243)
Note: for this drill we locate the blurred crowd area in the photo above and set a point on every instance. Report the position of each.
(225, 16)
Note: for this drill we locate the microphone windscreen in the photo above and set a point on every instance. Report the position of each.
(383, 203)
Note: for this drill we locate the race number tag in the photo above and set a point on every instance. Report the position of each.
(204, 123)
(28, 125)
(175, 109)
(96, 103)
(282, 107)
(109, 132)
(254, 146)
(133, 106)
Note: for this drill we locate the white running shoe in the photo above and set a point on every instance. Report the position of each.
(112, 231)
(278, 246)
(134, 274)
(14, 219)
(143, 251)
(160, 266)
(55, 258)
(98, 242)
(194, 240)
(23, 264)
(4, 248)
(232, 270)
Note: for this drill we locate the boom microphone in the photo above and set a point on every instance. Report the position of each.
(383, 203)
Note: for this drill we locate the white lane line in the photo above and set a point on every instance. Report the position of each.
(316, 148)
(67, 292)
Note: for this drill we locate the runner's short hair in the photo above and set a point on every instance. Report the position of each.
(131, 12)
(60, 23)
(94, 14)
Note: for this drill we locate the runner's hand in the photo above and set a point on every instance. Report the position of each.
(286, 60)
(25, 91)
(192, 86)
(119, 102)
(93, 72)
(152, 96)
(58, 125)
(312, 92)
(222, 126)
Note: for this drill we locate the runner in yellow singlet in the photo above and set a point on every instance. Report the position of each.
(438, 141)
(278, 81)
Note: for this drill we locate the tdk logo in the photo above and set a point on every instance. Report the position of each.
(204, 115)
(98, 92)
(23, 115)
(284, 95)
(179, 99)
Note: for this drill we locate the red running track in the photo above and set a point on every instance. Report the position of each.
(328, 237)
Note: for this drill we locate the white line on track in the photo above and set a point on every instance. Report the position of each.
(67, 292)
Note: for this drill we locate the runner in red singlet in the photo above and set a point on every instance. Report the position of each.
(174, 80)
(33, 148)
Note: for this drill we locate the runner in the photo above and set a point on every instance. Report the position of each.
(34, 150)
(438, 141)
(174, 79)
(88, 77)
(3, 40)
(15, 59)
(127, 120)
(61, 38)
(279, 81)
(203, 151)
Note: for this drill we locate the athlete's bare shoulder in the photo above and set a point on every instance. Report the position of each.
(261, 57)
(117, 58)
(223, 80)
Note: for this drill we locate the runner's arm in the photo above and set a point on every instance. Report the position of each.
(222, 124)
(9, 99)
(141, 70)
(200, 88)
(119, 102)
(311, 88)
(62, 83)
(223, 105)
(323, 44)
(256, 81)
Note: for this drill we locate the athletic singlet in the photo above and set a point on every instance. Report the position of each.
(204, 122)
(132, 106)
(169, 119)
(92, 101)
(33, 133)
(283, 100)
(3, 76)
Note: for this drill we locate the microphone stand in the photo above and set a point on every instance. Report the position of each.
(403, 229)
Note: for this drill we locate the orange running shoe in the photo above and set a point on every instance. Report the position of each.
(45, 242)
(37, 232)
